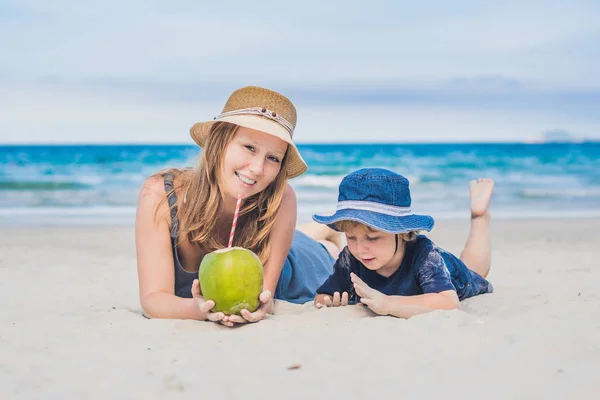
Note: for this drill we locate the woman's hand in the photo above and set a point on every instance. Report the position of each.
(206, 306)
(337, 301)
(374, 299)
(266, 307)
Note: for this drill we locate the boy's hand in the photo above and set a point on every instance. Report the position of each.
(337, 301)
(372, 298)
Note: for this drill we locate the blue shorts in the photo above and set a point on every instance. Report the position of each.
(307, 266)
(467, 282)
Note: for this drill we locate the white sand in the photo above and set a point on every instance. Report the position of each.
(71, 327)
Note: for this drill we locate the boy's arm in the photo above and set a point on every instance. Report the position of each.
(403, 306)
(435, 280)
(338, 281)
(333, 291)
(408, 306)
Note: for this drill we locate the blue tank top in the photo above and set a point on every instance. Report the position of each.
(183, 278)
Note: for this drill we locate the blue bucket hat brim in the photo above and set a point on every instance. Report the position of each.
(378, 221)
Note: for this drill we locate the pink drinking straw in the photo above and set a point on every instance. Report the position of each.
(235, 217)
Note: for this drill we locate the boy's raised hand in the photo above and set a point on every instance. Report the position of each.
(337, 301)
(372, 298)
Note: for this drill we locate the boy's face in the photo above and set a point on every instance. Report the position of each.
(375, 249)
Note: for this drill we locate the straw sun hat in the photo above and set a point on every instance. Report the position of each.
(263, 110)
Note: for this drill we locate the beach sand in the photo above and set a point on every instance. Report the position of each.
(71, 327)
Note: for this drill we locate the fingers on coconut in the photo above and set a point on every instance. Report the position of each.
(195, 288)
(236, 319)
(226, 323)
(206, 306)
(265, 296)
(252, 317)
(218, 316)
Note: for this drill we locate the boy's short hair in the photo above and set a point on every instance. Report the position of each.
(346, 225)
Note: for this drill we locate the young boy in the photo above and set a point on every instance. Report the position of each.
(387, 265)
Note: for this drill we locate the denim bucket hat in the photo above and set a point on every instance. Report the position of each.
(378, 198)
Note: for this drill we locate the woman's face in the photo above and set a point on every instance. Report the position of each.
(252, 161)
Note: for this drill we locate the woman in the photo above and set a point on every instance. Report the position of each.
(184, 214)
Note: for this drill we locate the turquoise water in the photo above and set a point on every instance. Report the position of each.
(99, 184)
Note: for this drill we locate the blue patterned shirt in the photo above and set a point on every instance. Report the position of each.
(425, 268)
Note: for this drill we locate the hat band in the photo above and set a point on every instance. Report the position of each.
(263, 112)
(375, 207)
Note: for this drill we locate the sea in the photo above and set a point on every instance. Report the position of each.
(56, 185)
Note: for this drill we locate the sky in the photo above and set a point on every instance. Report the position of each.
(143, 71)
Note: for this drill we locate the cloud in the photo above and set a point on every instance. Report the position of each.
(308, 41)
(55, 117)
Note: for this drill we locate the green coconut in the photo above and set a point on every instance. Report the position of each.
(232, 278)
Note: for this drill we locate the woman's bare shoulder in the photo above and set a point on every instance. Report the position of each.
(289, 200)
(289, 203)
(152, 198)
(153, 189)
(289, 194)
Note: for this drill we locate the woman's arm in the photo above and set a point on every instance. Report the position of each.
(280, 240)
(155, 263)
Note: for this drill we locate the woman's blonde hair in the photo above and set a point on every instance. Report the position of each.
(202, 200)
(347, 225)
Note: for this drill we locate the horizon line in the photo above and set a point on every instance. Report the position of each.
(156, 144)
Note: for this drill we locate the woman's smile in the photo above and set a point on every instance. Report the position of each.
(245, 180)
